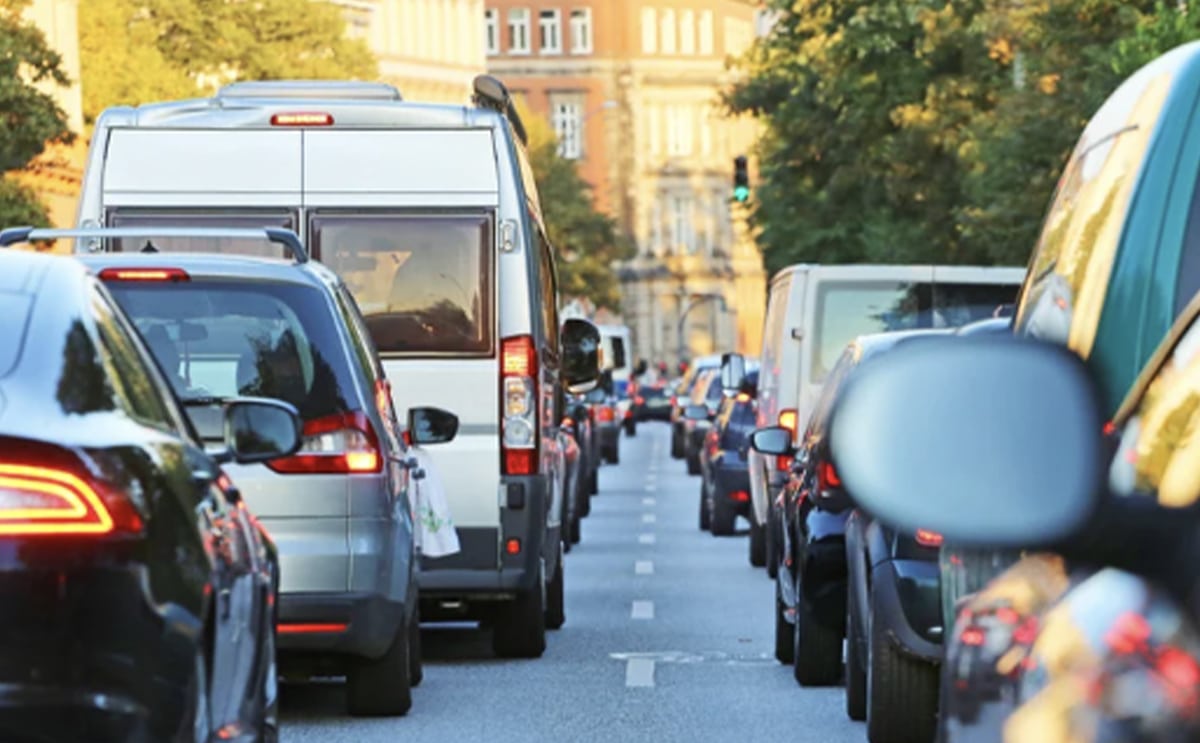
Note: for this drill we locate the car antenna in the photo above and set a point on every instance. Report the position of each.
(149, 248)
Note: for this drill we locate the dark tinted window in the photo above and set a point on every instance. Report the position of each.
(847, 309)
(135, 382)
(424, 282)
(229, 338)
(199, 218)
(618, 346)
(549, 283)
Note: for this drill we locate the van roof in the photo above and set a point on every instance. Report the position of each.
(311, 89)
(874, 270)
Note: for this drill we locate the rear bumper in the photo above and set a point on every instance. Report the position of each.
(363, 624)
(609, 435)
(85, 654)
(729, 479)
(909, 606)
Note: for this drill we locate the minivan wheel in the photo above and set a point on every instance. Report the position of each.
(772, 543)
(377, 687)
(902, 692)
(856, 673)
(758, 545)
(556, 614)
(630, 428)
(724, 518)
(520, 625)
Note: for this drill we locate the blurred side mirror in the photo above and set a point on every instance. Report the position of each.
(990, 442)
(258, 430)
(775, 440)
(431, 425)
(733, 372)
(580, 341)
(696, 412)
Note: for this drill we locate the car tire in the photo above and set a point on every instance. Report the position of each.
(785, 640)
(705, 514)
(693, 464)
(723, 518)
(377, 687)
(856, 671)
(771, 547)
(593, 485)
(817, 659)
(676, 443)
(758, 545)
(519, 629)
(630, 428)
(576, 529)
(416, 668)
(902, 692)
(613, 455)
(556, 613)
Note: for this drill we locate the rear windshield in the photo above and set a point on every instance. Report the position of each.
(424, 283)
(227, 339)
(192, 218)
(618, 352)
(14, 308)
(846, 310)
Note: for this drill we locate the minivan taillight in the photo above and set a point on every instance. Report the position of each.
(788, 420)
(518, 406)
(340, 444)
(51, 501)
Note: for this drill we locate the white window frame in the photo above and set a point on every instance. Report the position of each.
(649, 31)
(706, 32)
(581, 30)
(687, 32)
(550, 31)
(566, 116)
(667, 27)
(491, 31)
(518, 19)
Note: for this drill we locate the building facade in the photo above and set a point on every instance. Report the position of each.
(631, 89)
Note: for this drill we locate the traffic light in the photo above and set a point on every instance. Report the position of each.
(741, 179)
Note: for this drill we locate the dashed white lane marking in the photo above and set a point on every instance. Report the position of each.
(639, 672)
(648, 501)
(649, 518)
(651, 488)
(646, 538)
(643, 567)
(642, 610)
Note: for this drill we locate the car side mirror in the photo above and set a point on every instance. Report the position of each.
(733, 372)
(948, 418)
(431, 426)
(580, 341)
(775, 440)
(696, 412)
(259, 429)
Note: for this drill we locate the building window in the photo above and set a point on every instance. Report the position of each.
(491, 30)
(682, 240)
(550, 30)
(581, 31)
(679, 131)
(706, 32)
(687, 32)
(649, 31)
(566, 116)
(668, 31)
(518, 31)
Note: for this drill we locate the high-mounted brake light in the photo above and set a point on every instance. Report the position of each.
(144, 274)
(338, 444)
(310, 118)
(519, 406)
(295, 628)
(46, 501)
(927, 538)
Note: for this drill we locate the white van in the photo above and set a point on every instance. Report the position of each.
(813, 311)
(616, 355)
(431, 216)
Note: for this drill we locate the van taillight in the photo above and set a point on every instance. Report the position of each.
(927, 538)
(309, 118)
(339, 444)
(787, 419)
(50, 501)
(518, 403)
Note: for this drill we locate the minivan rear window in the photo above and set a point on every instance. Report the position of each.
(423, 282)
(221, 339)
(847, 309)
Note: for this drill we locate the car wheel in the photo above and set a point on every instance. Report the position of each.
(676, 443)
(772, 543)
(758, 546)
(902, 691)
(593, 486)
(630, 428)
(856, 674)
(614, 455)
(416, 669)
(817, 659)
(705, 516)
(520, 625)
(723, 517)
(785, 641)
(382, 686)
(556, 614)
(576, 527)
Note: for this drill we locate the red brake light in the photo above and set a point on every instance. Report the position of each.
(53, 501)
(973, 636)
(827, 476)
(1109, 428)
(605, 414)
(144, 274)
(311, 629)
(302, 119)
(520, 358)
(927, 538)
(520, 461)
(639, 400)
(740, 496)
(519, 406)
(335, 445)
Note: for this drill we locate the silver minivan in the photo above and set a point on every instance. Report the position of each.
(431, 216)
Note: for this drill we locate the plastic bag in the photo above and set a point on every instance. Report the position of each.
(436, 535)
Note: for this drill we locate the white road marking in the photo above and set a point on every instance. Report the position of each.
(646, 538)
(643, 567)
(648, 501)
(649, 518)
(639, 672)
(651, 488)
(642, 610)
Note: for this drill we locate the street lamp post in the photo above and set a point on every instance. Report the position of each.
(697, 300)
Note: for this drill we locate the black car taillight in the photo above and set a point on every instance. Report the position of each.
(55, 496)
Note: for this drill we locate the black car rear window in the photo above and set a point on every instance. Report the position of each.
(240, 338)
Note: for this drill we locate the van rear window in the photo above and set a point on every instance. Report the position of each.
(423, 282)
(194, 218)
(848, 309)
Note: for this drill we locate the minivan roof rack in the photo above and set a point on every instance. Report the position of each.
(337, 89)
(286, 238)
(490, 93)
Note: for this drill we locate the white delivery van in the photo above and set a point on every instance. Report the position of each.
(431, 216)
(616, 356)
(813, 311)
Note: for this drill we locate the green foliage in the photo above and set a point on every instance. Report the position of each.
(926, 131)
(136, 51)
(19, 205)
(30, 117)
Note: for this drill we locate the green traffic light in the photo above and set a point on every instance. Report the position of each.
(741, 193)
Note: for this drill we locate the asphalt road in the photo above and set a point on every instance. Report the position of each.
(668, 638)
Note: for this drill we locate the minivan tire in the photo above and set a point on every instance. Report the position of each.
(519, 628)
(705, 515)
(378, 687)
(758, 545)
(676, 443)
(856, 671)
(630, 428)
(723, 519)
(902, 692)
(613, 455)
(416, 670)
(785, 640)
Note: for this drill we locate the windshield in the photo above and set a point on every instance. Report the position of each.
(846, 310)
(424, 283)
(221, 339)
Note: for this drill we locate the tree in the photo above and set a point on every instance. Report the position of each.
(586, 242)
(31, 118)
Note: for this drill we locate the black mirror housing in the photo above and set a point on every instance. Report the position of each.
(775, 440)
(580, 350)
(260, 429)
(431, 426)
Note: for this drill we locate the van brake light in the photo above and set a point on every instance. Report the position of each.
(519, 405)
(302, 119)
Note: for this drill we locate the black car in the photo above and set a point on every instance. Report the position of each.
(707, 392)
(725, 477)
(682, 397)
(653, 403)
(139, 591)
